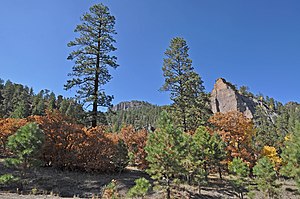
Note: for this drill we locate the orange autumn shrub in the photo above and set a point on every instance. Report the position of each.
(69, 145)
(102, 151)
(62, 137)
(136, 142)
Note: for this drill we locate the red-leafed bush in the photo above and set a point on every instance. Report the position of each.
(72, 146)
(101, 151)
(62, 139)
(237, 132)
(136, 142)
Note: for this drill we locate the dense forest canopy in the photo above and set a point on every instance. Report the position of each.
(19, 101)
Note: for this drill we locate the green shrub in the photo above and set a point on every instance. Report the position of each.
(140, 189)
(7, 179)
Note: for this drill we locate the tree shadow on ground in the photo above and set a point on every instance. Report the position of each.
(46, 180)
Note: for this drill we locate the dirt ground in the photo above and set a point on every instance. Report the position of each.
(47, 182)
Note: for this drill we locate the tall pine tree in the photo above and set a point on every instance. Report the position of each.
(93, 57)
(190, 105)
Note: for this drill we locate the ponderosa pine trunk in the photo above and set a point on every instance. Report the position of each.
(96, 86)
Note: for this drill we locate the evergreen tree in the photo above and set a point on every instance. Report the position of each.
(165, 152)
(240, 170)
(39, 104)
(244, 90)
(1, 98)
(59, 100)
(291, 156)
(71, 109)
(185, 85)
(20, 111)
(18, 101)
(266, 133)
(201, 144)
(64, 105)
(195, 162)
(7, 94)
(217, 153)
(265, 176)
(293, 110)
(92, 58)
(288, 116)
(26, 144)
(205, 151)
(281, 121)
(52, 102)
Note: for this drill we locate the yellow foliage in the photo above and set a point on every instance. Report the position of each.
(287, 137)
(270, 152)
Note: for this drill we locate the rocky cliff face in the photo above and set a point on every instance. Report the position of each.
(225, 98)
(129, 105)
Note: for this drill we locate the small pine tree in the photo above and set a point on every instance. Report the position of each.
(200, 149)
(25, 144)
(291, 156)
(194, 161)
(217, 152)
(140, 189)
(165, 150)
(205, 151)
(240, 170)
(121, 158)
(265, 176)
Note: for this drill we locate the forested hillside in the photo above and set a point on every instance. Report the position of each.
(142, 115)
(20, 101)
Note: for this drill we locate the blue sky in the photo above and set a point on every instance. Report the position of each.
(254, 43)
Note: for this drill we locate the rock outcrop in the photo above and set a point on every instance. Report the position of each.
(225, 98)
(129, 105)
